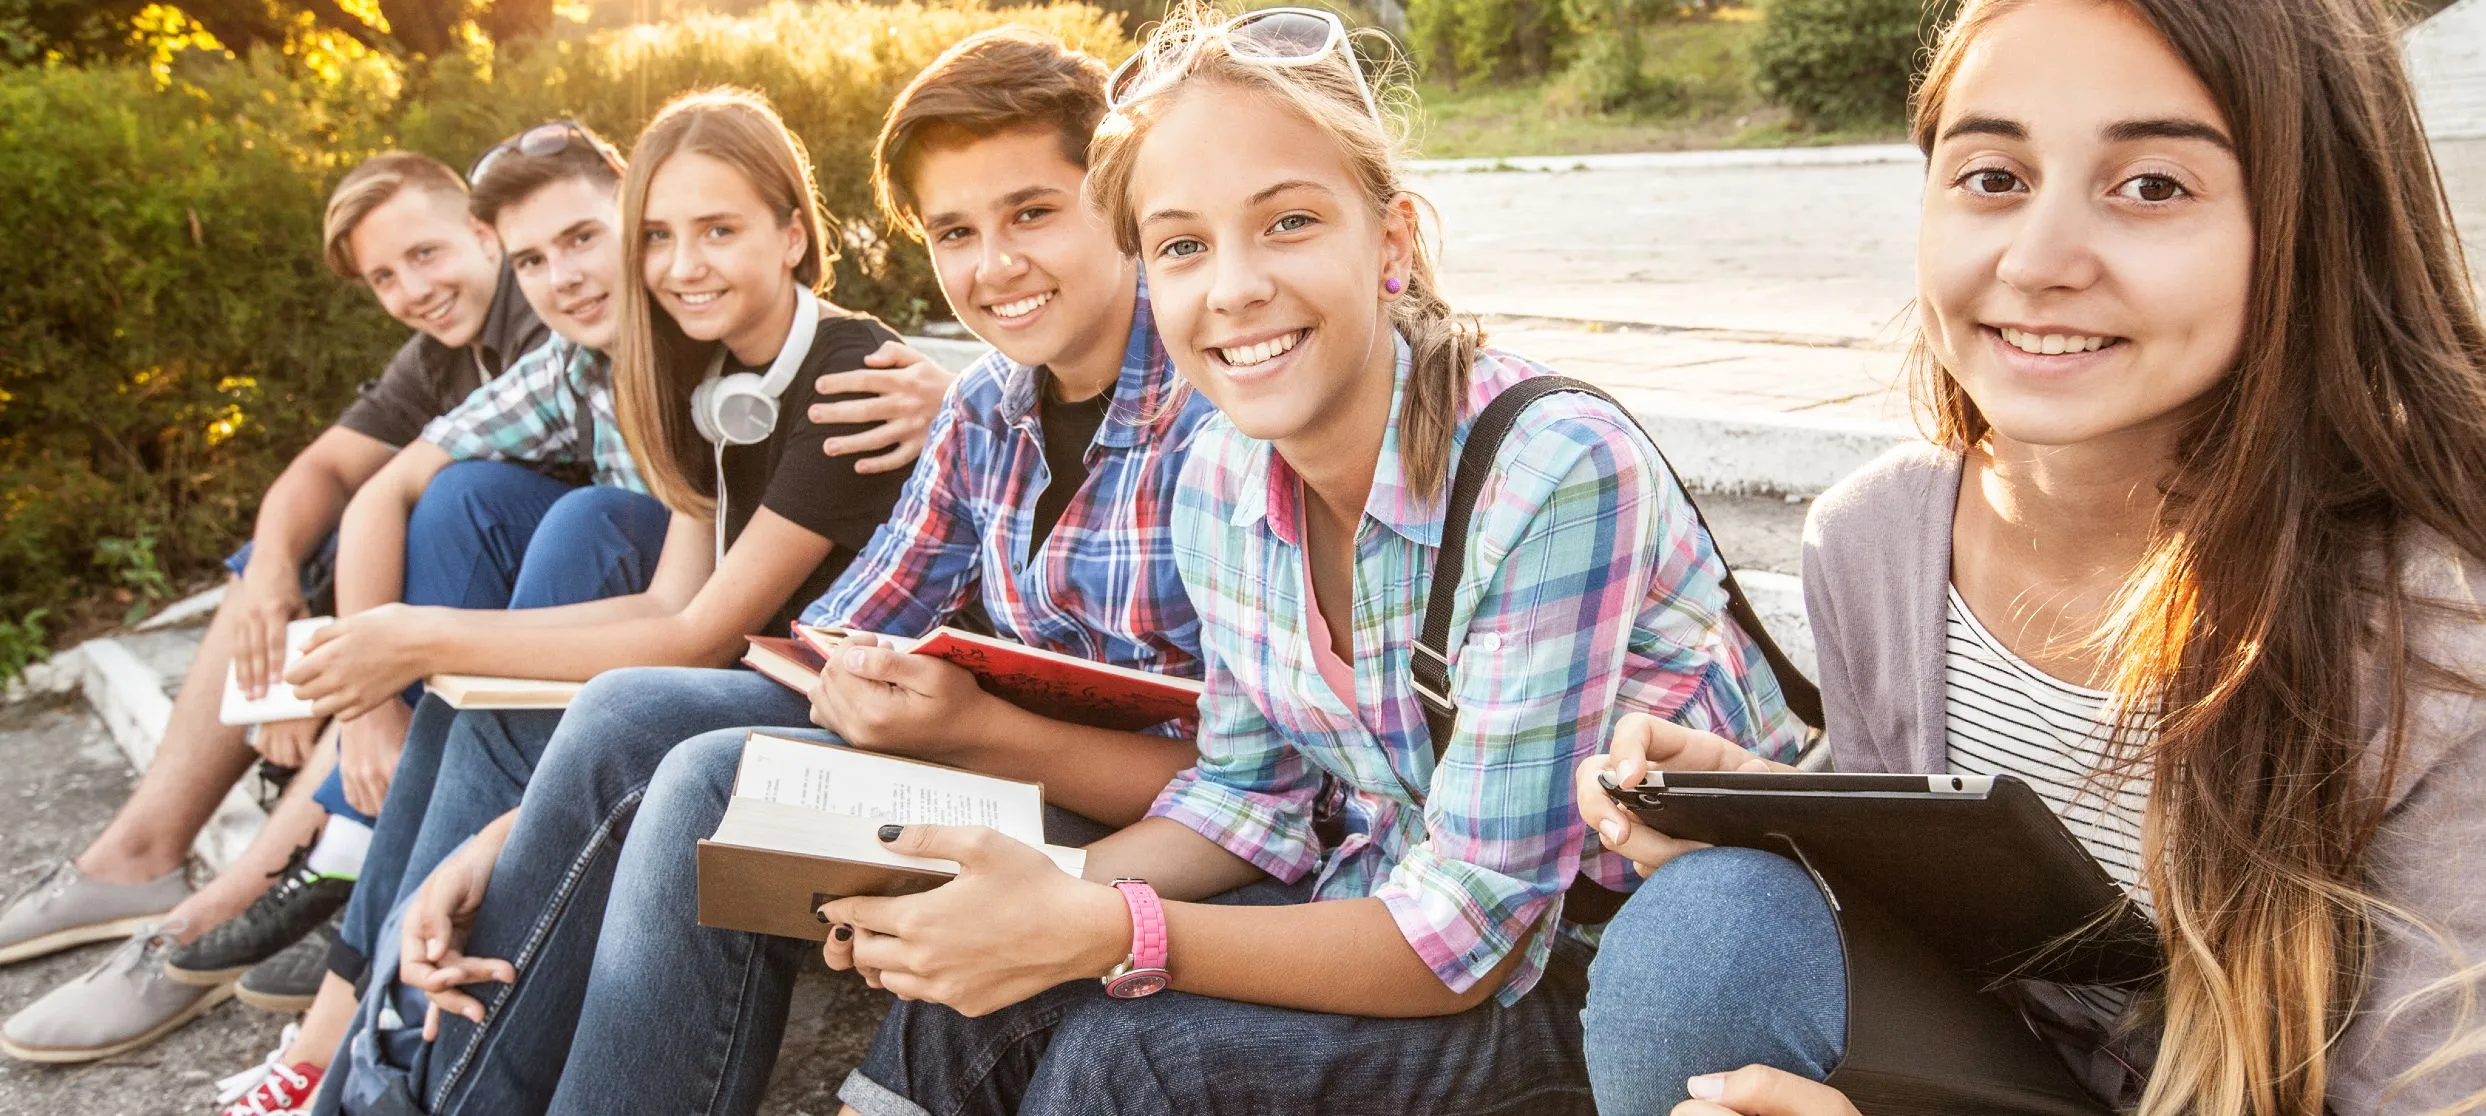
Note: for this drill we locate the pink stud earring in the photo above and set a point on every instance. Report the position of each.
(1392, 285)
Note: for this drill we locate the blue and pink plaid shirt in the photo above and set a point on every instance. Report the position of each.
(1589, 590)
(1103, 587)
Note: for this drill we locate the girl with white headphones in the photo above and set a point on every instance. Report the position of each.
(722, 342)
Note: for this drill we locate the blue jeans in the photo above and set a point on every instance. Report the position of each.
(546, 905)
(1724, 958)
(492, 534)
(459, 771)
(680, 1017)
(318, 573)
(1073, 1050)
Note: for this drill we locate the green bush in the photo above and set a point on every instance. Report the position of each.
(1845, 62)
(1487, 40)
(830, 68)
(170, 337)
(169, 334)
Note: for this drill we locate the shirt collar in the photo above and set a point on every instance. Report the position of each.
(1270, 489)
(507, 325)
(1142, 393)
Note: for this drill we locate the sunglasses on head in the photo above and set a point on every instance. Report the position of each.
(1268, 37)
(543, 141)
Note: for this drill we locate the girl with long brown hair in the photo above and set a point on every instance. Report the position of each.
(2196, 551)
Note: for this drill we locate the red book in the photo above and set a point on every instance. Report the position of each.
(791, 663)
(1059, 686)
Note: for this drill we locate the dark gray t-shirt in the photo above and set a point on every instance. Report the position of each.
(427, 379)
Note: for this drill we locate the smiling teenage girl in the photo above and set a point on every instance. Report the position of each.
(2197, 555)
(1402, 954)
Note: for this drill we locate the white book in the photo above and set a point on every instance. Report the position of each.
(279, 703)
(801, 829)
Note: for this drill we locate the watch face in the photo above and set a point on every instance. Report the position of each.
(1136, 983)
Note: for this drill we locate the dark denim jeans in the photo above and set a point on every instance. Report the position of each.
(1725, 958)
(545, 909)
(459, 771)
(1073, 1051)
(493, 534)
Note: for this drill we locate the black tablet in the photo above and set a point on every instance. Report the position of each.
(1977, 866)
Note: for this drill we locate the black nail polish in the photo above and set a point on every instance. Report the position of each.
(823, 916)
(844, 933)
(890, 833)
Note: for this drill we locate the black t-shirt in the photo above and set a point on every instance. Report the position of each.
(427, 379)
(1068, 429)
(787, 474)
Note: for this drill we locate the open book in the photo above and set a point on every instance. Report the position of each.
(485, 691)
(279, 703)
(1063, 687)
(802, 829)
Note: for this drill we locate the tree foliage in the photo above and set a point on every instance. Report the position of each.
(103, 30)
(171, 338)
(1843, 62)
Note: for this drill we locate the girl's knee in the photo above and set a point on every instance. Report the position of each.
(596, 509)
(1709, 924)
(698, 772)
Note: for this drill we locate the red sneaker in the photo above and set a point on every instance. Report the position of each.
(271, 1088)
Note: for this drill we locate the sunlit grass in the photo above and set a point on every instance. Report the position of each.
(1702, 95)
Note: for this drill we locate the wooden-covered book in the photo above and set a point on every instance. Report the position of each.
(802, 829)
(1063, 687)
(487, 691)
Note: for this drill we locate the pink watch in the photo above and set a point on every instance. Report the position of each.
(1143, 972)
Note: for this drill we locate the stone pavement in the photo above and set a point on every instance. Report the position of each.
(1767, 287)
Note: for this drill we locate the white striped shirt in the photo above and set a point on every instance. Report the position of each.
(2008, 717)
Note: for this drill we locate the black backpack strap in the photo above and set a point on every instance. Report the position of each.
(1588, 903)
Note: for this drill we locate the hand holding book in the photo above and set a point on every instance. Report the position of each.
(1007, 928)
(882, 699)
(1047, 683)
(1762, 1091)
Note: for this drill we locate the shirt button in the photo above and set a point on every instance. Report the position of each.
(1486, 641)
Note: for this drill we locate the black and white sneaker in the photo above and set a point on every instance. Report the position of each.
(297, 903)
(288, 982)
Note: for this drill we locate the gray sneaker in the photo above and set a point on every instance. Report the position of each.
(66, 908)
(118, 1006)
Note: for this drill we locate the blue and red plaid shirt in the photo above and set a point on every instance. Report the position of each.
(1103, 586)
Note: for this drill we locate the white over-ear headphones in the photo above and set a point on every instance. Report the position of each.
(741, 409)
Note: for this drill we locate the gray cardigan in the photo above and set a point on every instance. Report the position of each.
(1877, 563)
